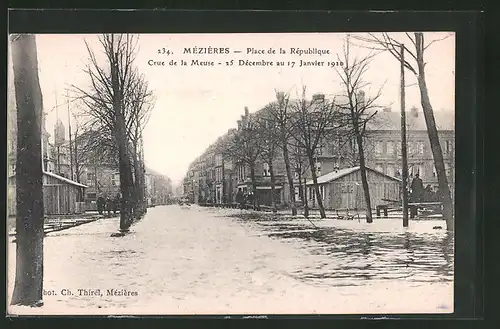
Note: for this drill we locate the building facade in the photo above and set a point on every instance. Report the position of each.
(215, 177)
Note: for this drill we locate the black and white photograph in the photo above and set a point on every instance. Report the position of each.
(231, 173)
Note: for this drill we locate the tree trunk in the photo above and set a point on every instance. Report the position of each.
(124, 160)
(306, 205)
(301, 187)
(137, 192)
(290, 179)
(316, 187)
(432, 132)
(254, 184)
(28, 286)
(364, 180)
(273, 186)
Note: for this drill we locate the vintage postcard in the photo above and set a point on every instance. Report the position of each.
(188, 174)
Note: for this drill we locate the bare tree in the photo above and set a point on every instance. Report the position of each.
(112, 93)
(280, 114)
(28, 286)
(416, 65)
(358, 109)
(300, 165)
(270, 140)
(244, 147)
(313, 120)
(141, 104)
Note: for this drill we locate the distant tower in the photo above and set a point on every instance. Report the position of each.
(59, 133)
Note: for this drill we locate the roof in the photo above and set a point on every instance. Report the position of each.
(445, 120)
(334, 175)
(64, 179)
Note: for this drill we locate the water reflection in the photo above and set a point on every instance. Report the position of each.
(346, 257)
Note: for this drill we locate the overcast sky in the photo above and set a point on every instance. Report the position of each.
(197, 104)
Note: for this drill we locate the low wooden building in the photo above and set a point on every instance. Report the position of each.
(342, 189)
(61, 196)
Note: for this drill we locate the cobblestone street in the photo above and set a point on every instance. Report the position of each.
(207, 261)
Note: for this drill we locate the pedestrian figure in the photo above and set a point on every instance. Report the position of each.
(100, 205)
(109, 206)
(250, 198)
(428, 194)
(240, 199)
(417, 189)
(417, 192)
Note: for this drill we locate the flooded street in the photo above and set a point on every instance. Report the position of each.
(220, 261)
(346, 256)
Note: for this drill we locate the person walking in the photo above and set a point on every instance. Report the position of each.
(100, 205)
(417, 192)
(417, 189)
(240, 199)
(109, 206)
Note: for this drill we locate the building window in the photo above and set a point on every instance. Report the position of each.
(410, 148)
(417, 168)
(448, 169)
(390, 170)
(354, 145)
(390, 148)
(379, 148)
(318, 168)
(115, 180)
(266, 170)
(298, 197)
(91, 179)
(319, 150)
(398, 149)
(448, 147)
(420, 147)
(322, 191)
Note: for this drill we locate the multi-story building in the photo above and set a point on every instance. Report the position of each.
(385, 141)
(159, 189)
(382, 148)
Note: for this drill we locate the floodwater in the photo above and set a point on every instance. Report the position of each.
(346, 256)
(192, 260)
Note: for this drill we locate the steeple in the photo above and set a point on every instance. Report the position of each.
(59, 133)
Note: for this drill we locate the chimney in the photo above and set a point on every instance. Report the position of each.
(246, 111)
(318, 97)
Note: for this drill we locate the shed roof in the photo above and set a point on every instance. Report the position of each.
(334, 175)
(64, 179)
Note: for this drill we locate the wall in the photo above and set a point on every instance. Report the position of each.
(347, 191)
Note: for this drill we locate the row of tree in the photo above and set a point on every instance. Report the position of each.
(115, 108)
(295, 129)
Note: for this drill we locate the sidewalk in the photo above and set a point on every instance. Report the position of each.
(54, 223)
